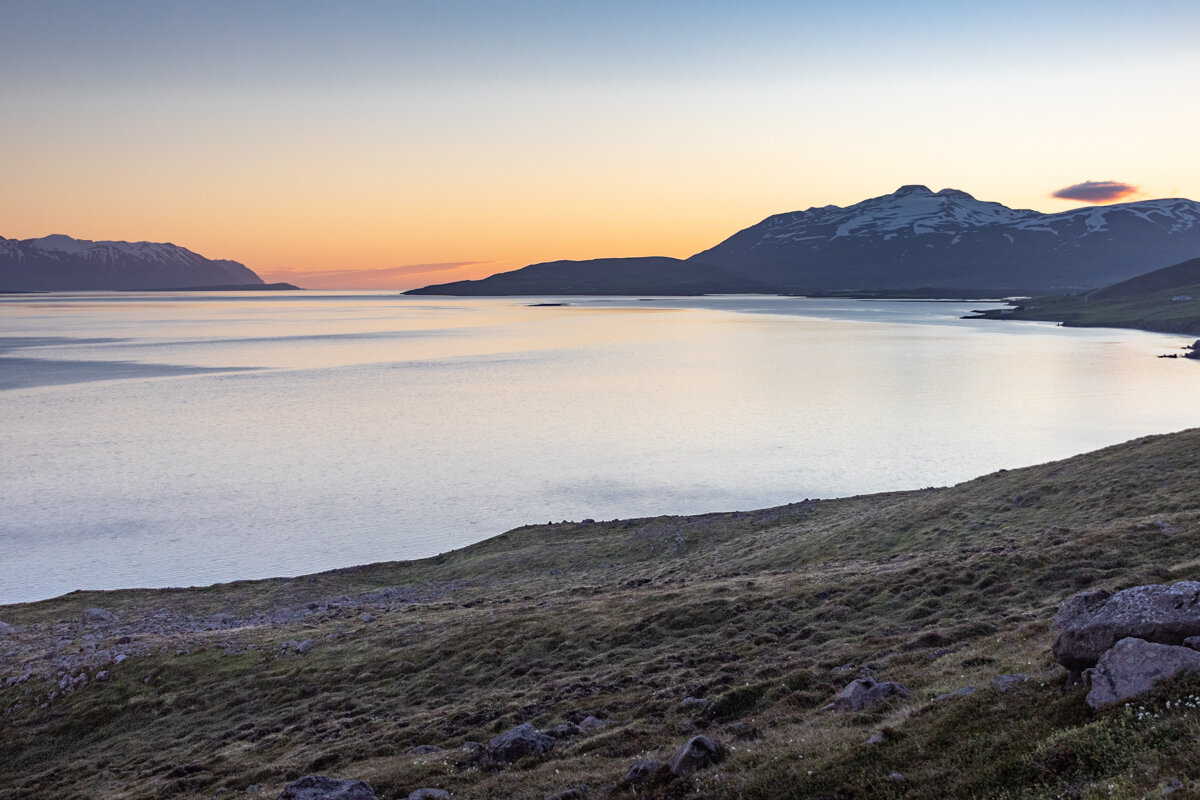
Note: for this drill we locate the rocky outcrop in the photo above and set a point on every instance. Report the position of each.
(1091, 623)
(320, 787)
(1133, 666)
(518, 742)
(698, 753)
(866, 693)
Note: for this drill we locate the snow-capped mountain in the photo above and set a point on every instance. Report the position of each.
(62, 263)
(916, 238)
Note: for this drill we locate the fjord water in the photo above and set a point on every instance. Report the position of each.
(156, 440)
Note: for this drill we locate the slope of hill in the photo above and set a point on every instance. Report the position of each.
(60, 263)
(1165, 300)
(948, 239)
(654, 275)
(741, 626)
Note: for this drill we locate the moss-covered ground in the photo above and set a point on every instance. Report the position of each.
(766, 614)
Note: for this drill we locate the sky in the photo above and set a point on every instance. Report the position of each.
(397, 144)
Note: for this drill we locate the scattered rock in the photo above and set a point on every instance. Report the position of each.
(877, 738)
(304, 646)
(1133, 666)
(429, 794)
(564, 730)
(964, 691)
(641, 771)
(591, 723)
(98, 616)
(698, 753)
(1091, 622)
(578, 793)
(896, 776)
(743, 732)
(518, 742)
(6, 629)
(694, 704)
(865, 693)
(424, 749)
(319, 787)
(1009, 683)
(369, 617)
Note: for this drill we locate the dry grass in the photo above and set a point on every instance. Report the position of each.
(758, 612)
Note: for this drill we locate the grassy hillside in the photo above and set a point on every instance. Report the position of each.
(765, 614)
(1153, 302)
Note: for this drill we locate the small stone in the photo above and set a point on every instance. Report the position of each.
(563, 730)
(1009, 683)
(98, 616)
(877, 738)
(320, 787)
(698, 753)
(895, 776)
(964, 691)
(304, 646)
(429, 794)
(865, 693)
(367, 617)
(6, 629)
(641, 771)
(516, 743)
(102, 675)
(694, 704)
(590, 723)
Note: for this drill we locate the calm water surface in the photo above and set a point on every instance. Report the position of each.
(155, 440)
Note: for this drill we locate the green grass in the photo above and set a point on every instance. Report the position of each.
(1153, 311)
(755, 611)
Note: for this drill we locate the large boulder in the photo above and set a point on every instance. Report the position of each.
(1088, 624)
(698, 753)
(865, 693)
(319, 787)
(518, 742)
(1133, 666)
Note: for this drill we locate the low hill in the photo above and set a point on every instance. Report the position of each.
(741, 626)
(653, 275)
(62, 263)
(1165, 300)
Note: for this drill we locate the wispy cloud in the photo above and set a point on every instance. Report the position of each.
(1098, 191)
(401, 277)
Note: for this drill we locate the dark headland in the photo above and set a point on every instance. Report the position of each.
(880, 646)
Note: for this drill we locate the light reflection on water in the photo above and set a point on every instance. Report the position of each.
(335, 429)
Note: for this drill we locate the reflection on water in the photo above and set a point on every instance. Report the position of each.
(231, 436)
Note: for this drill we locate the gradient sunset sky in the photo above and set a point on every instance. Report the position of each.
(396, 144)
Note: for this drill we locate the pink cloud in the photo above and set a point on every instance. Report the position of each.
(403, 277)
(1098, 191)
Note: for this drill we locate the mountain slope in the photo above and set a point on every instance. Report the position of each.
(620, 276)
(1166, 300)
(915, 237)
(56, 263)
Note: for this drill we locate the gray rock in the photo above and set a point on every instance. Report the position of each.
(429, 794)
(6, 629)
(590, 723)
(641, 771)
(1090, 623)
(1192, 642)
(304, 646)
(98, 616)
(1009, 683)
(563, 730)
(1133, 666)
(577, 793)
(698, 753)
(368, 617)
(694, 704)
(319, 787)
(424, 749)
(877, 738)
(865, 693)
(963, 692)
(518, 742)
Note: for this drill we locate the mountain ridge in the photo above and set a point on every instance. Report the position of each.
(59, 262)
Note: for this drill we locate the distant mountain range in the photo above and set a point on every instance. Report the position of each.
(911, 239)
(55, 263)
(655, 275)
